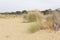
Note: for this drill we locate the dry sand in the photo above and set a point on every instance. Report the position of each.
(13, 29)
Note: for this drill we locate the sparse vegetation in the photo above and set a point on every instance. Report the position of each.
(7, 16)
(44, 24)
(42, 19)
(37, 17)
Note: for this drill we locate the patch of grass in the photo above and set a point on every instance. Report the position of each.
(33, 28)
(7, 16)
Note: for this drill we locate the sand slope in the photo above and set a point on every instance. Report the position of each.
(13, 29)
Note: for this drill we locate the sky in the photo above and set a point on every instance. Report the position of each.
(18, 5)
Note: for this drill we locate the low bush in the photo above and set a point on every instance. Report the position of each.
(41, 21)
(33, 16)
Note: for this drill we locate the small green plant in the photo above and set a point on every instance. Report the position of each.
(33, 28)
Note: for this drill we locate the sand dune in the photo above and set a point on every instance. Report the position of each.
(13, 29)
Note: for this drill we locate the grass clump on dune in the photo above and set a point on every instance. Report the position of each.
(33, 16)
(37, 17)
(41, 21)
(40, 25)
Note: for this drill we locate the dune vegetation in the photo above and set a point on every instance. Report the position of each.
(40, 19)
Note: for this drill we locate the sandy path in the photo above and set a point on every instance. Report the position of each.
(13, 29)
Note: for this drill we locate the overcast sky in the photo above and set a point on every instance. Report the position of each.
(16, 5)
